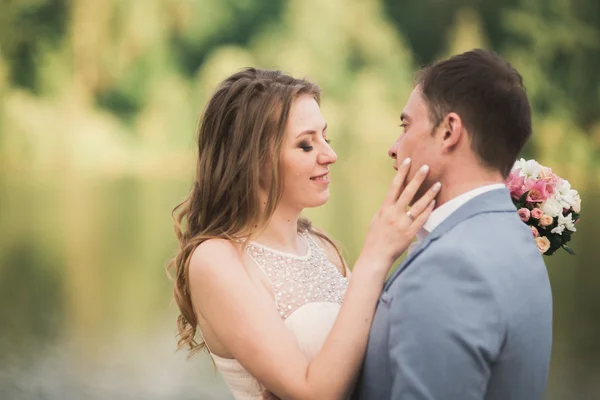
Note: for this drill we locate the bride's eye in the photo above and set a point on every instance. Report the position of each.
(306, 146)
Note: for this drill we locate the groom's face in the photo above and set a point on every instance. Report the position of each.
(417, 140)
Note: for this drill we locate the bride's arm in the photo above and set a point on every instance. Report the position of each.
(246, 322)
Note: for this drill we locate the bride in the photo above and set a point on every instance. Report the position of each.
(265, 293)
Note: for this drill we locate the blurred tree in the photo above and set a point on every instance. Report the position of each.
(27, 26)
(466, 33)
(199, 27)
(562, 40)
(560, 37)
(128, 78)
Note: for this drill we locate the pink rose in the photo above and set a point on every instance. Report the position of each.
(543, 244)
(524, 214)
(515, 184)
(546, 220)
(536, 213)
(550, 179)
(534, 231)
(545, 173)
(537, 191)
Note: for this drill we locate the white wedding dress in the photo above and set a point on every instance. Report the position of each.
(309, 291)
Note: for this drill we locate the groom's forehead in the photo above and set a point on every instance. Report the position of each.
(415, 106)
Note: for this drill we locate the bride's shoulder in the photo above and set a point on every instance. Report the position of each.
(212, 255)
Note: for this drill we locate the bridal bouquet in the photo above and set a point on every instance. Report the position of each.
(546, 203)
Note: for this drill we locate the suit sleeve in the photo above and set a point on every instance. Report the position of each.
(446, 330)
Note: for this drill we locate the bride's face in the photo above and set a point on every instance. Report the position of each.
(306, 156)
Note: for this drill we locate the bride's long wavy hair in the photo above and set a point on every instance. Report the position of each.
(240, 136)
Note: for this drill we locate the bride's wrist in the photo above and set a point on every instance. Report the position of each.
(374, 263)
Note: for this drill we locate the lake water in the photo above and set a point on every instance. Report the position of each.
(85, 304)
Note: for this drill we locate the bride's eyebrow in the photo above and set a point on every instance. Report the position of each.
(311, 131)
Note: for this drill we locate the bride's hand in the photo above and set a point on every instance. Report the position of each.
(393, 227)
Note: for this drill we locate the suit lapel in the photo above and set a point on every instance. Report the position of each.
(497, 200)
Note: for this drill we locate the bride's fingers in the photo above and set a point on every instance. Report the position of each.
(397, 183)
(421, 205)
(420, 220)
(411, 189)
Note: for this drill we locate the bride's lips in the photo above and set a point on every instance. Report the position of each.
(323, 178)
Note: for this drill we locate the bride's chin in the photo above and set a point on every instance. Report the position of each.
(306, 202)
(318, 202)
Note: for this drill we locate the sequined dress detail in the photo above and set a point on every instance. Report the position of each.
(309, 291)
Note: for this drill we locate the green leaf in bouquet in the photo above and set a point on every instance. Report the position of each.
(522, 200)
(568, 249)
(555, 241)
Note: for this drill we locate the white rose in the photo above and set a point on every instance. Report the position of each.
(564, 223)
(576, 203)
(552, 207)
(569, 223)
(566, 201)
(563, 187)
(519, 164)
(529, 168)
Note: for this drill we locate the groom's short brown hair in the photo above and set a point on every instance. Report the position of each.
(489, 96)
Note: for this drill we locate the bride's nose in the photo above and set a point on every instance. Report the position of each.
(327, 156)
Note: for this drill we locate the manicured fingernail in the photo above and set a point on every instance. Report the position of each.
(436, 186)
(406, 161)
(424, 168)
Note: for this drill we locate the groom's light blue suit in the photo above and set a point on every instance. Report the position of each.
(468, 314)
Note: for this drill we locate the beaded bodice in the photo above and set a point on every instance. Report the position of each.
(298, 280)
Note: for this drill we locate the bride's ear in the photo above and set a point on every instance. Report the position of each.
(452, 131)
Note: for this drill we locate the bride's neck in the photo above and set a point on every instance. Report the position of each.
(281, 233)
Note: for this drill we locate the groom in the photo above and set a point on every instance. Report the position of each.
(468, 314)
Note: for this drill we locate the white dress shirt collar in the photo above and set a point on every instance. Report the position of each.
(445, 210)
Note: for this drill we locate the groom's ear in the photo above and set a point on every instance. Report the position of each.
(452, 131)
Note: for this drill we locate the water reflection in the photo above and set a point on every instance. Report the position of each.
(85, 306)
(86, 311)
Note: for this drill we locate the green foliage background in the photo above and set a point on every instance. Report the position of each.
(99, 102)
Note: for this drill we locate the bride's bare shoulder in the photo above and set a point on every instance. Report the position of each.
(215, 255)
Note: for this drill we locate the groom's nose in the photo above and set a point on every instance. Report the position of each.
(393, 151)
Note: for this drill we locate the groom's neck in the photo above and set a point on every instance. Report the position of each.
(455, 183)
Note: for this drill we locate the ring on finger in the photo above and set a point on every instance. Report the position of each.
(409, 215)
